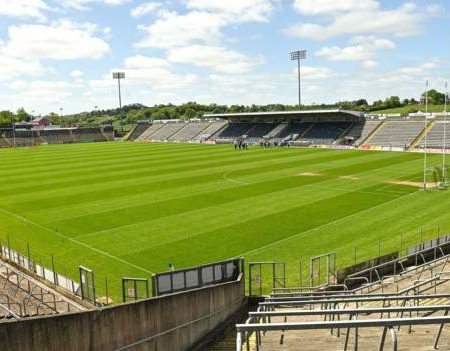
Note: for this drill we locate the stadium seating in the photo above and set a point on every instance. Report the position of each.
(164, 133)
(58, 136)
(145, 136)
(324, 133)
(88, 135)
(397, 134)
(213, 128)
(233, 131)
(259, 130)
(137, 131)
(435, 136)
(189, 131)
(278, 130)
(360, 131)
(292, 131)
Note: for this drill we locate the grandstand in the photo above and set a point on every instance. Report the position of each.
(89, 135)
(360, 131)
(258, 131)
(232, 131)
(32, 137)
(149, 131)
(324, 133)
(140, 128)
(397, 133)
(189, 131)
(166, 131)
(332, 128)
(214, 127)
(435, 136)
(329, 128)
(292, 131)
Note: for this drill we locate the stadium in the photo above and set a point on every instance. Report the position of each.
(180, 201)
(321, 212)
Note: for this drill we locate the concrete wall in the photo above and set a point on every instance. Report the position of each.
(172, 322)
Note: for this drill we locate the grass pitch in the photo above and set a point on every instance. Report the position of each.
(130, 209)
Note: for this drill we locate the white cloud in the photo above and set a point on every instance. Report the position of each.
(173, 30)
(62, 41)
(214, 57)
(321, 7)
(418, 71)
(145, 8)
(367, 17)
(44, 94)
(204, 22)
(146, 71)
(11, 67)
(84, 4)
(363, 49)
(237, 10)
(23, 8)
(76, 73)
(312, 73)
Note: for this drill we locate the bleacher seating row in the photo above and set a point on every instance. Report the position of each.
(397, 133)
(435, 136)
(8, 138)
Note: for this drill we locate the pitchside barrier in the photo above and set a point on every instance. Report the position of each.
(134, 289)
(49, 275)
(196, 277)
(429, 244)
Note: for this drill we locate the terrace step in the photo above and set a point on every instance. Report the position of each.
(372, 134)
(422, 134)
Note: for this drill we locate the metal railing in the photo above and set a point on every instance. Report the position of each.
(35, 299)
(386, 324)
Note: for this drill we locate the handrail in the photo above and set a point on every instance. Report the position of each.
(354, 298)
(355, 323)
(372, 310)
(10, 312)
(358, 323)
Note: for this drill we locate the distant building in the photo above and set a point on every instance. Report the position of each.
(41, 122)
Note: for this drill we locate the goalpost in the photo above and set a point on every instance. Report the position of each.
(439, 175)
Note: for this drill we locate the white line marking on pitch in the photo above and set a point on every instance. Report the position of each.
(321, 226)
(75, 241)
(225, 176)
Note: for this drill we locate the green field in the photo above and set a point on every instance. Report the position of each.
(130, 209)
(405, 110)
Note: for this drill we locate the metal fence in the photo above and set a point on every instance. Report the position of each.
(134, 289)
(429, 244)
(196, 277)
(43, 272)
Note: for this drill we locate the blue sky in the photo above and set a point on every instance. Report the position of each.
(59, 54)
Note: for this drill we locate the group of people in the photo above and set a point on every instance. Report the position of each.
(240, 144)
(267, 143)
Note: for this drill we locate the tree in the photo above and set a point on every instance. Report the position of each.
(393, 101)
(6, 119)
(22, 115)
(434, 97)
(190, 113)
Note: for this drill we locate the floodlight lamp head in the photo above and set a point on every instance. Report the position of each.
(298, 55)
(118, 75)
